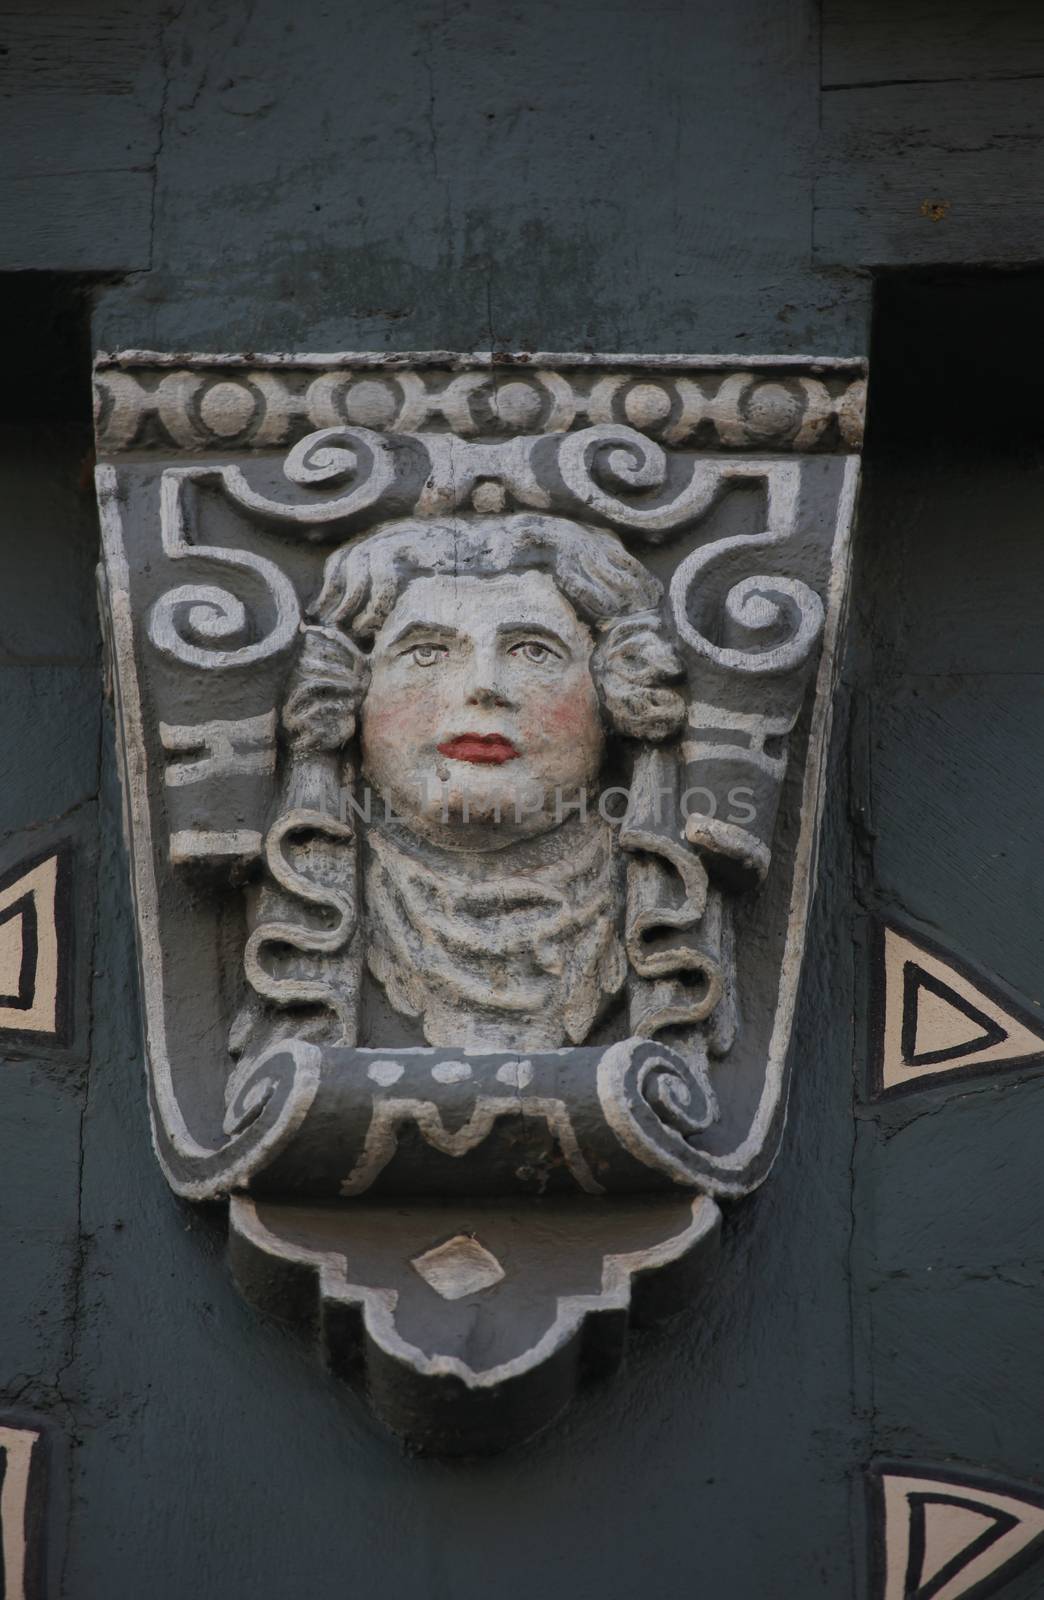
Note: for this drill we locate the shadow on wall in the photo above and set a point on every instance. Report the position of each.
(45, 330)
(947, 362)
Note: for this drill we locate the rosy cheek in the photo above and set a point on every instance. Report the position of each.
(567, 714)
(395, 718)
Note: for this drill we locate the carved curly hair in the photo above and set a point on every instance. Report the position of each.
(634, 665)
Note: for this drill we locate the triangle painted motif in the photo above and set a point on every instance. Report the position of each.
(938, 1019)
(945, 1537)
(18, 1445)
(30, 952)
(13, 945)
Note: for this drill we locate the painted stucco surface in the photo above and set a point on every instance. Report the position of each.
(474, 176)
(426, 176)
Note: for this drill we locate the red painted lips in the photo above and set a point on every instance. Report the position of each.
(487, 749)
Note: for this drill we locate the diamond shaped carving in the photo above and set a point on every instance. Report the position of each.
(459, 1267)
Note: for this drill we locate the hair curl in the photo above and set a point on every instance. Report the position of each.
(634, 665)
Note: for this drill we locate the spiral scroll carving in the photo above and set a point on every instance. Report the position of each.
(328, 457)
(267, 1099)
(287, 1071)
(215, 616)
(770, 624)
(674, 1092)
(621, 455)
(203, 625)
(656, 1101)
(339, 455)
(357, 456)
(201, 612)
(192, 621)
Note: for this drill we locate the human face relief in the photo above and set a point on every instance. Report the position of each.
(481, 722)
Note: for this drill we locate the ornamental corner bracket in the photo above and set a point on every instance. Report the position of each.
(473, 714)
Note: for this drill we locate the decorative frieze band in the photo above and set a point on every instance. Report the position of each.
(145, 400)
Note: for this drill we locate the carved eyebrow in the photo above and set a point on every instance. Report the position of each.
(429, 630)
(530, 630)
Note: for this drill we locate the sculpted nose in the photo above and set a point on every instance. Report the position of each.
(485, 687)
(486, 696)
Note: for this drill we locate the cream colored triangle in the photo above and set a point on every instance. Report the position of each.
(17, 1446)
(940, 1026)
(42, 883)
(11, 933)
(949, 1531)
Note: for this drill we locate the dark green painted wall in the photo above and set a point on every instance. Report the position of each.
(568, 175)
(946, 671)
(421, 174)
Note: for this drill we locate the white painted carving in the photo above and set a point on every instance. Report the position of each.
(771, 622)
(385, 1073)
(221, 748)
(198, 1170)
(612, 454)
(207, 612)
(482, 890)
(204, 610)
(460, 1267)
(502, 656)
(503, 908)
(516, 1074)
(451, 1072)
(390, 1115)
(727, 402)
(202, 844)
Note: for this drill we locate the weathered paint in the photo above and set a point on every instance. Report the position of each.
(627, 177)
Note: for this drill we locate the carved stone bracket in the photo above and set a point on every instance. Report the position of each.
(473, 714)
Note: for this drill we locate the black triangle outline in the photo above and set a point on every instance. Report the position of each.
(964, 1481)
(37, 1503)
(997, 992)
(25, 907)
(915, 978)
(63, 852)
(918, 1500)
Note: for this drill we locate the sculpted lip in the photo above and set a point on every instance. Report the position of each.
(483, 748)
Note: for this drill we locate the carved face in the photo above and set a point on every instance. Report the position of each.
(481, 722)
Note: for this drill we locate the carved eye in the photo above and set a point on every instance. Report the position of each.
(533, 650)
(426, 655)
